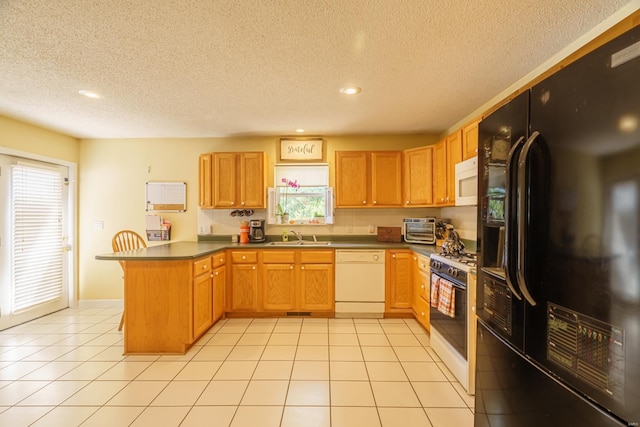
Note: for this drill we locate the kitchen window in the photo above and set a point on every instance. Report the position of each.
(301, 195)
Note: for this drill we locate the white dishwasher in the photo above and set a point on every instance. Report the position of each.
(359, 283)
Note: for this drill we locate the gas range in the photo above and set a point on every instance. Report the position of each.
(453, 267)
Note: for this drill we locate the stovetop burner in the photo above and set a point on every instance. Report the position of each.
(461, 257)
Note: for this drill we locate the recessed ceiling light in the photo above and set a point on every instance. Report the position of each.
(300, 130)
(89, 94)
(350, 90)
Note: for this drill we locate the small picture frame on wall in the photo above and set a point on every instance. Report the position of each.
(301, 150)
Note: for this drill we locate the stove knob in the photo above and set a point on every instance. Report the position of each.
(450, 270)
(455, 272)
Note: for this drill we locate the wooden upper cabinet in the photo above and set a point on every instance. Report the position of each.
(386, 178)
(447, 153)
(205, 194)
(454, 156)
(225, 180)
(239, 180)
(440, 172)
(352, 176)
(470, 140)
(252, 180)
(368, 179)
(418, 176)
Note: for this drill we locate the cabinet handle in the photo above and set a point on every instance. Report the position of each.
(422, 314)
(393, 256)
(244, 257)
(253, 268)
(204, 267)
(415, 258)
(242, 203)
(217, 272)
(291, 267)
(406, 203)
(233, 203)
(302, 267)
(375, 202)
(221, 259)
(421, 286)
(364, 202)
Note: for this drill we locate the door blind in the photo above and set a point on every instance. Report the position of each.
(37, 236)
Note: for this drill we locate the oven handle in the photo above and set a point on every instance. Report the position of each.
(455, 284)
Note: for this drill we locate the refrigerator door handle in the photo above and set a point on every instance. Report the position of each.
(509, 221)
(522, 211)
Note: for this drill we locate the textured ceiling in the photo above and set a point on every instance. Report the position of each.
(199, 68)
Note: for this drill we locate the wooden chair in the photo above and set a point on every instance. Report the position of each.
(126, 240)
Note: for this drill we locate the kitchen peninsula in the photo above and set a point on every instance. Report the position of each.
(173, 293)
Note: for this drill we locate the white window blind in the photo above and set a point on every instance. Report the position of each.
(36, 203)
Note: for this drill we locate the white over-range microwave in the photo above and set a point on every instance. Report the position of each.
(467, 182)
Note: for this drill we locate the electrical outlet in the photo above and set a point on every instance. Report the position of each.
(204, 229)
(372, 229)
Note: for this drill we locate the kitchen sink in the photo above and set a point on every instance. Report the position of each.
(299, 243)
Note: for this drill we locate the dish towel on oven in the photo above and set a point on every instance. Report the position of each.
(446, 298)
(435, 286)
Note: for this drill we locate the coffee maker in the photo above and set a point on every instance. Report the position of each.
(256, 231)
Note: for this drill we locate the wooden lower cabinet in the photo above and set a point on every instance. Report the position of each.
(202, 302)
(316, 287)
(219, 285)
(278, 287)
(297, 281)
(168, 304)
(399, 284)
(421, 289)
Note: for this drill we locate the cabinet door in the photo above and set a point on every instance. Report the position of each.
(244, 287)
(386, 178)
(399, 280)
(454, 156)
(440, 173)
(219, 286)
(470, 140)
(205, 192)
(352, 178)
(252, 182)
(225, 180)
(202, 304)
(418, 166)
(316, 287)
(278, 287)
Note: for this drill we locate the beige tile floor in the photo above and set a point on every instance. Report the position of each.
(67, 369)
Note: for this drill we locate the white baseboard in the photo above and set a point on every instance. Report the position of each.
(100, 303)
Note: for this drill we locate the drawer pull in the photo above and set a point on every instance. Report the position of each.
(244, 257)
(253, 268)
(291, 267)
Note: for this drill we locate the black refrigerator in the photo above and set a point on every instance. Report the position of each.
(558, 296)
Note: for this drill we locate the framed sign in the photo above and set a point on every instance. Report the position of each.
(301, 150)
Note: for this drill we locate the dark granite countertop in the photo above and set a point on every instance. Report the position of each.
(175, 251)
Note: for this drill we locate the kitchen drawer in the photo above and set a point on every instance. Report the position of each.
(425, 285)
(421, 311)
(278, 257)
(202, 266)
(219, 259)
(244, 257)
(316, 257)
(423, 263)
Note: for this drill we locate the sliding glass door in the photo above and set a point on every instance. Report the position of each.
(34, 239)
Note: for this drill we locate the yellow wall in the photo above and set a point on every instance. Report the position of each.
(21, 136)
(113, 174)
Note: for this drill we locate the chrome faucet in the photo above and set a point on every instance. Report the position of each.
(297, 234)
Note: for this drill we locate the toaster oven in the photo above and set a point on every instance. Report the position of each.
(420, 230)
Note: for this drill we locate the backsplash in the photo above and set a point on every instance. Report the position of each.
(346, 221)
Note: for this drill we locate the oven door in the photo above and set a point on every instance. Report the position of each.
(453, 329)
